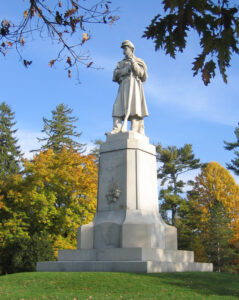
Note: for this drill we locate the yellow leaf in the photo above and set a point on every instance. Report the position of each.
(85, 37)
(22, 41)
(25, 14)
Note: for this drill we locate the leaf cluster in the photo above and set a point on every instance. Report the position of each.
(215, 196)
(63, 22)
(55, 193)
(215, 22)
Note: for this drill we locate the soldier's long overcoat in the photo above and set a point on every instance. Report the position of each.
(130, 77)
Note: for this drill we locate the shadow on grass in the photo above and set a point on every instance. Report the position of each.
(221, 284)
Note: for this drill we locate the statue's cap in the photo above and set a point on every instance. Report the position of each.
(127, 43)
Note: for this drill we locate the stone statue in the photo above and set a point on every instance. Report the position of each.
(130, 103)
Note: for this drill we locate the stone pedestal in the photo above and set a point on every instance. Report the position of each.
(127, 234)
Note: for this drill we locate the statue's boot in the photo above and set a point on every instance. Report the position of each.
(116, 125)
(141, 127)
(134, 124)
(137, 125)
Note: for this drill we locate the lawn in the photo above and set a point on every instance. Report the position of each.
(119, 286)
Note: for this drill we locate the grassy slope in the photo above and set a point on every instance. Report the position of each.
(119, 286)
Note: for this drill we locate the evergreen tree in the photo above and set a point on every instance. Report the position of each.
(216, 238)
(60, 131)
(96, 150)
(10, 153)
(234, 166)
(174, 162)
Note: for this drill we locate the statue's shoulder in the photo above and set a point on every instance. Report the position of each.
(143, 65)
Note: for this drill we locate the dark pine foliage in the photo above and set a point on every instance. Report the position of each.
(174, 162)
(60, 131)
(234, 165)
(10, 154)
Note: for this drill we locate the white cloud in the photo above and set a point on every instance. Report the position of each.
(27, 140)
(194, 99)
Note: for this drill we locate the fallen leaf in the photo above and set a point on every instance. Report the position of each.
(9, 44)
(89, 64)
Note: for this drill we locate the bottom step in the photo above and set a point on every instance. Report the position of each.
(122, 266)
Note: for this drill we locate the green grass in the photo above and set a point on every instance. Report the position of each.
(119, 286)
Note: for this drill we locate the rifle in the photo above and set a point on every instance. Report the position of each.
(124, 126)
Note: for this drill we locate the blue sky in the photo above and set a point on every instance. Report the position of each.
(182, 110)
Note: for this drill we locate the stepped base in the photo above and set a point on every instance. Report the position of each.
(142, 260)
(122, 266)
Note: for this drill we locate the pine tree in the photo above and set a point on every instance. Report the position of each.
(234, 166)
(60, 131)
(216, 238)
(96, 150)
(174, 162)
(10, 154)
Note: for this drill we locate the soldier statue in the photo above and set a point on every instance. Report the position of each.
(130, 104)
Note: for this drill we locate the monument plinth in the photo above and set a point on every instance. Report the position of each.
(128, 233)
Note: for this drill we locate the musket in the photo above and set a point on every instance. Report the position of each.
(124, 126)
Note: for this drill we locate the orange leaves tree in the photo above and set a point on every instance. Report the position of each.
(63, 21)
(55, 194)
(215, 198)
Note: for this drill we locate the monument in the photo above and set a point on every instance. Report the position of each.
(128, 233)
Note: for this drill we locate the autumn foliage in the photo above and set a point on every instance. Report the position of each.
(215, 203)
(54, 194)
(215, 183)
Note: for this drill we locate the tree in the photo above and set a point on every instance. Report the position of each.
(62, 21)
(96, 150)
(215, 21)
(10, 154)
(216, 198)
(54, 194)
(174, 162)
(22, 254)
(217, 238)
(234, 166)
(60, 131)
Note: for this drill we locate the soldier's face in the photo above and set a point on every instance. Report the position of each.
(127, 51)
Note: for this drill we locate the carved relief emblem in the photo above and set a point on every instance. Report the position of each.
(113, 194)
